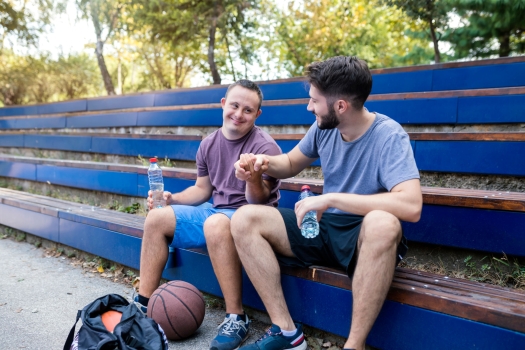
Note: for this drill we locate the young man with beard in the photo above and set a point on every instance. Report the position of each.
(185, 224)
(371, 182)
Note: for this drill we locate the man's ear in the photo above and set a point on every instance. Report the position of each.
(258, 113)
(342, 106)
(223, 102)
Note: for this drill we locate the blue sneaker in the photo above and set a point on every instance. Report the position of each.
(232, 332)
(142, 308)
(274, 339)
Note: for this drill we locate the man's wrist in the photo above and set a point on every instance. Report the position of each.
(255, 182)
(171, 200)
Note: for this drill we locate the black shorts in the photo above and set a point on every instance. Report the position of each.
(334, 246)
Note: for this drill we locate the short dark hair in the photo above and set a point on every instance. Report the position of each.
(342, 77)
(248, 84)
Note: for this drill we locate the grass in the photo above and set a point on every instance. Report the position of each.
(143, 161)
(165, 163)
(498, 270)
(134, 208)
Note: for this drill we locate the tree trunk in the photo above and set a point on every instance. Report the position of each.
(230, 58)
(108, 83)
(159, 70)
(99, 49)
(119, 78)
(211, 47)
(504, 45)
(437, 55)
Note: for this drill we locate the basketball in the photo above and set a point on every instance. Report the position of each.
(110, 319)
(178, 307)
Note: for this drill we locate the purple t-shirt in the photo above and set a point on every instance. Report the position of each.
(216, 157)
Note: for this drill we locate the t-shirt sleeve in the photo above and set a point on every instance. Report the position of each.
(202, 167)
(397, 163)
(308, 144)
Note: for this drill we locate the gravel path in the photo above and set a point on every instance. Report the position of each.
(40, 295)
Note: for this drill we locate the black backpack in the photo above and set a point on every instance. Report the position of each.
(133, 332)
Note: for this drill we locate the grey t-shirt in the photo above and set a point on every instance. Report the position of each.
(217, 155)
(374, 163)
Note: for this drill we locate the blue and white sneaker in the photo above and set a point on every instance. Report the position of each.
(142, 308)
(274, 339)
(232, 332)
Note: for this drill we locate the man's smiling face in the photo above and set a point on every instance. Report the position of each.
(240, 109)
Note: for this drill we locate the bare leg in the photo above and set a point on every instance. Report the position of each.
(225, 261)
(158, 228)
(377, 246)
(257, 231)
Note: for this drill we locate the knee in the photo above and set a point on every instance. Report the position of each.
(243, 219)
(160, 222)
(217, 229)
(381, 226)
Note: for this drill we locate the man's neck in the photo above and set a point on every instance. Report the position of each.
(233, 136)
(354, 124)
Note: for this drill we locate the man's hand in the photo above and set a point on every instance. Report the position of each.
(167, 197)
(250, 167)
(317, 203)
(247, 163)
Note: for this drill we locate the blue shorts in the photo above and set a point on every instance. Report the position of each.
(189, 232)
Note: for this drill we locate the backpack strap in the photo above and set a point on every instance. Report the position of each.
(71, 335)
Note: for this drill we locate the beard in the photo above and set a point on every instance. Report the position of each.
(328, 121)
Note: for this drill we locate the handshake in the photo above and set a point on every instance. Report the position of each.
(250, 167)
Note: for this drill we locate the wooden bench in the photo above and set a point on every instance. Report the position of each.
(462, 314)
(491, 153)
(422, 311)
(473, 217)
(481, 74)
(462, 107)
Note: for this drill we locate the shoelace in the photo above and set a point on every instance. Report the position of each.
(230, 326)
(267, 334)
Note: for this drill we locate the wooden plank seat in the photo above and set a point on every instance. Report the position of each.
(488, 153)
(491, 73)
(482, 106)
(473, 315)
(481, 74)
(462, 218)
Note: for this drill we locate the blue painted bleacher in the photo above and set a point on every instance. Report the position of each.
(491, 107)
(506, 72)
(469, 228)
(467, 156)
(485, 94)
(116, 236)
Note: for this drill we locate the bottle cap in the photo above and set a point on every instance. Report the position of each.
(153, 160)
(305, 187)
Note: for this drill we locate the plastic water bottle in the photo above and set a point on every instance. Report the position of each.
(309, 226)
(156, 184)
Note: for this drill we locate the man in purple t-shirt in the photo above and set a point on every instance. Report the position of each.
(189, 222)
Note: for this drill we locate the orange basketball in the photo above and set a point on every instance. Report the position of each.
(110, 319)
(178, 307)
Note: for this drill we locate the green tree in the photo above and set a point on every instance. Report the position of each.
(40, 78)
(181, 22)
(490, 28)
(105, 16)
(435, 13)
(167, 67)
(75, 76)
(315, 30)
(14, 82)
(25, 79)
(16, 18)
